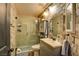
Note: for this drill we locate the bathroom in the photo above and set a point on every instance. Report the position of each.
(40, 29)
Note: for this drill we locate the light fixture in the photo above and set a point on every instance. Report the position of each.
(46, 13)
(43, 19)
(36, 21)
(69, 8)
(53, 9)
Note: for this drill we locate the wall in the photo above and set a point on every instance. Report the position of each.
(75, 48)
(76, 45)
(27, 35)
(58, 31)
(12, 28)
(73, 43)
(57, 25)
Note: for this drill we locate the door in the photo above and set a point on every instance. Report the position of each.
(4, 29)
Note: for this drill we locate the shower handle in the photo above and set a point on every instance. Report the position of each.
(10, 50)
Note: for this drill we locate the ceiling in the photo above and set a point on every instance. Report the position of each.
(30, 9)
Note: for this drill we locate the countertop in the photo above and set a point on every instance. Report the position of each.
(51, 42)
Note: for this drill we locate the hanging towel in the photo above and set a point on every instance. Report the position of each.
(65, 48)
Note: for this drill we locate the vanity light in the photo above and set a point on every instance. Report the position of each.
(36, 21)
(53, 9)
(43, 19)
(45, 14)
(70, 8)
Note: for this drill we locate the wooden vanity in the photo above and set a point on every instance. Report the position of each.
(49, 47)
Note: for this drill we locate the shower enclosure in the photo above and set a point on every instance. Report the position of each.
(26, 35)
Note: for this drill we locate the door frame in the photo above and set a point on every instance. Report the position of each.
(7, 26)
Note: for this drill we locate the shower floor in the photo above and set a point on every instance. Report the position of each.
(23, 51)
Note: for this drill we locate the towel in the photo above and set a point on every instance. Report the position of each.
(66, 50)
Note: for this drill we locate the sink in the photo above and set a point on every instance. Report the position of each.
(49, 47)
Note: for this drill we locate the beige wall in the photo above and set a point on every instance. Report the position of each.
(12, 28)
(19, 39)
(28, 36)
(74, 44)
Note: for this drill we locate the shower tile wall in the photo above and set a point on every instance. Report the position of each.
(27, 35)
(12, 28)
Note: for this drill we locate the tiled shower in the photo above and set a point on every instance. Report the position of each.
(26, 35)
